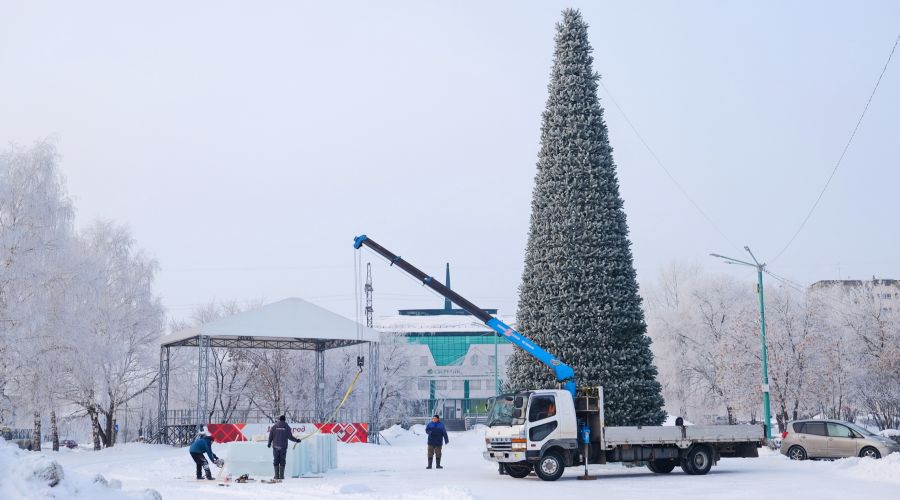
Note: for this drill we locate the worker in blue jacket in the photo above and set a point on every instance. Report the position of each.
(437, 438)
(202, 445)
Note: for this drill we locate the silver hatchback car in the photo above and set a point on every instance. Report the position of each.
(832, 439)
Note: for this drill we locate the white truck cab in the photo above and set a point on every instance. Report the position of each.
(526, 426)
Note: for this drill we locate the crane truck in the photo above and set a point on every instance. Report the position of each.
(547, 430)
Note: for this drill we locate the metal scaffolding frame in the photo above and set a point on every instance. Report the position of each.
(179, 433)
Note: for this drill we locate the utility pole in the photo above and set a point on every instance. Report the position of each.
(762, 332)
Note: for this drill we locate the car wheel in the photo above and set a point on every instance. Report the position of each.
(698, 460)
(661, 466)
(796, 453)
(550, 467)
(870, 452)
(518, 470)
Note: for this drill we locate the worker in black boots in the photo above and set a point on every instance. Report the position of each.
(279, 435)
(437, 438)
(202, 445)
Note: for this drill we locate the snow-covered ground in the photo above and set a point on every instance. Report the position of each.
(398, 471)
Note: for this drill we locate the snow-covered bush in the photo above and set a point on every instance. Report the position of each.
(891, 433)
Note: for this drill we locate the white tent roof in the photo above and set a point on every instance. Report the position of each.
(288, 319)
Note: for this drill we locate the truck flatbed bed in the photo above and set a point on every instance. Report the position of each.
(682, 435)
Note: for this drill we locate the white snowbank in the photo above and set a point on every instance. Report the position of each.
(397, 472)
(33, 475)
(890, 433)
(885, 469)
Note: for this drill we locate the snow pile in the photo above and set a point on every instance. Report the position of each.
(891, 434)
(33, 475)
(442, 493)
(884, 469)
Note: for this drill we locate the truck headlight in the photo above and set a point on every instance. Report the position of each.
(518, 444)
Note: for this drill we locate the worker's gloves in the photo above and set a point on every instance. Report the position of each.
(219, 462)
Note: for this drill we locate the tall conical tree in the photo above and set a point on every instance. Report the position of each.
(579, 295)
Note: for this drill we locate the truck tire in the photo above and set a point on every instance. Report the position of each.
(661, 466)
(519, 470)
(698, 460)
(550, 467)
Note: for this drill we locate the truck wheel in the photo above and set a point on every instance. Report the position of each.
(518, 470)
(661, 466)
(698, 460)
(550, 467)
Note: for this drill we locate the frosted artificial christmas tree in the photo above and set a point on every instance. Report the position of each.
(579, 295)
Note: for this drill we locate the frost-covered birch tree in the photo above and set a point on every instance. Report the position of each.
(120, 322)
(35, 234)
(579, 295)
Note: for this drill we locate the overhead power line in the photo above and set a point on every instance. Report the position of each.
(666, 170)
(843, 153)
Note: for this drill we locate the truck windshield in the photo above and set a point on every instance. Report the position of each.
(501, 412)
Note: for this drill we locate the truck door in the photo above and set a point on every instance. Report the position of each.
(542, 421)
(840, 441)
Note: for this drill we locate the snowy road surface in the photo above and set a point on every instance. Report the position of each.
(398, 471)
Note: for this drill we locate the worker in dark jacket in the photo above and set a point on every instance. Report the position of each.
(202, 445)
(279, 435)
(437, 437)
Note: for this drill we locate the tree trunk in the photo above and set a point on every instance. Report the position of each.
(107, 434)
(54, 431)
(36, 432)
(95, 427)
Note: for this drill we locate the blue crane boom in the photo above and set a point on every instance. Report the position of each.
(564, 373)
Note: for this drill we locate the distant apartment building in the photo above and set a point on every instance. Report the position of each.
(883, 291)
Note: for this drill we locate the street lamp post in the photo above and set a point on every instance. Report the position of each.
(762, 332)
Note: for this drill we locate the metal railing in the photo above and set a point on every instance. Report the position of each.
(187, 417)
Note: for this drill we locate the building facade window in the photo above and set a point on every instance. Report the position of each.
(440, 385)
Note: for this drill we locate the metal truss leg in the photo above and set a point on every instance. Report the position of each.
(374, 384)
(163, 409)
(320, 385)
(202, 378)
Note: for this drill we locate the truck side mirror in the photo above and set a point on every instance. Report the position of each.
(519, 402)
(517, 413)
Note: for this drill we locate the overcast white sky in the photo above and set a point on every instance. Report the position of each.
(247, 143)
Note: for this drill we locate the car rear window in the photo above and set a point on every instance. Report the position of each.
(814, 428)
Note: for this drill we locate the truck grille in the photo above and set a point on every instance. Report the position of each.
(501, 444)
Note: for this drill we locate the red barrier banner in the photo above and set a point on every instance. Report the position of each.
(346, 432)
